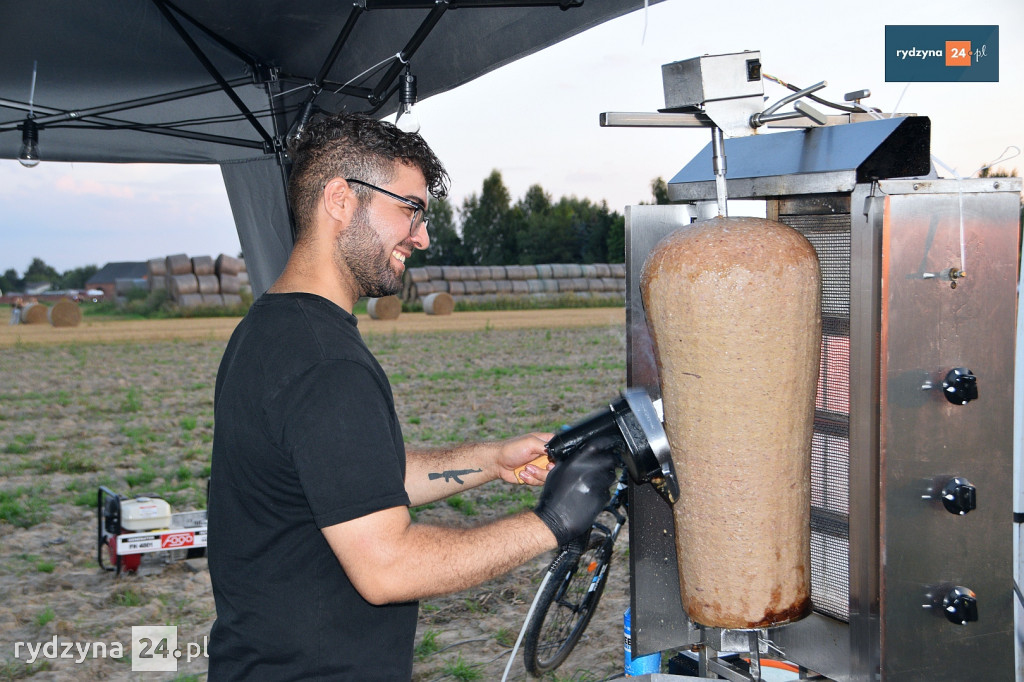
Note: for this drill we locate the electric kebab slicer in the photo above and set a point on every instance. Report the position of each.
(633, 422)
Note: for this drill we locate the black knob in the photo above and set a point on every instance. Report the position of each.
(959, 496)
(960, 606)
(960, 386)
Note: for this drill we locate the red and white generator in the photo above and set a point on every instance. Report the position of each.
(127, 528)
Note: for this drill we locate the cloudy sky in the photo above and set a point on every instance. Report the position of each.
(536, 121)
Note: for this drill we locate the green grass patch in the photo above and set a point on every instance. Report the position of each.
(45, 616)
(461, 670)
(462, 504)
(68, 463)
(427, 645)
(132, 400)
(24, 507)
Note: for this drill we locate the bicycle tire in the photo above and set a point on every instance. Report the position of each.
(566, 605)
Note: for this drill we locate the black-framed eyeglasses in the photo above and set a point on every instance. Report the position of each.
(419, 218)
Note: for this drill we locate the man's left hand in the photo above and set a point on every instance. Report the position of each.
(516, 452)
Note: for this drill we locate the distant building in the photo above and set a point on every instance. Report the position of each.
(105, 277)
(37, 288)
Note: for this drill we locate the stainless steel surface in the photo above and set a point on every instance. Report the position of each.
(694, 82)
(656, 119)
(927, 329)
(658, 621)
(720, 168)
(827, 159)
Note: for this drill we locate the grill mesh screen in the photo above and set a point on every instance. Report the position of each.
(830, 451)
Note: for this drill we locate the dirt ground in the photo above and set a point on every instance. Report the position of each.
(129, 405)
(220, 328)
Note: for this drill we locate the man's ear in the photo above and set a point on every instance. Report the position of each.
(339, 201)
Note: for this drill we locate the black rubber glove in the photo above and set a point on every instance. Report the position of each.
(577, 490)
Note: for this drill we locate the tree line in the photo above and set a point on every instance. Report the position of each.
(39, 271)
(492, 230)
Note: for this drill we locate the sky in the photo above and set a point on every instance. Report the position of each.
(536, 121)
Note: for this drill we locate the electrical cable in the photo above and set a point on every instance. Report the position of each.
(810, 96)
(526, 621)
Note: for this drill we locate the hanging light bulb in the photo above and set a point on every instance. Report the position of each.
(406, 118)
(29, 154)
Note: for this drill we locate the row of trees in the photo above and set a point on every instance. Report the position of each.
(535, 229)
(491, 230)
(39, 271)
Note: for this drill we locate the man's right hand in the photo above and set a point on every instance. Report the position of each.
(577, 490)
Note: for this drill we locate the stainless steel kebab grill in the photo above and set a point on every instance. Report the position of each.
(911, 457)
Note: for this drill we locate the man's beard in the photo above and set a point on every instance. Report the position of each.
(360, 249)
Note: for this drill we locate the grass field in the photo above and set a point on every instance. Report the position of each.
(138, 417)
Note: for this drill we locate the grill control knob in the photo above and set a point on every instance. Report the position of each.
(960, 606)
(960, 386)
(959, 496)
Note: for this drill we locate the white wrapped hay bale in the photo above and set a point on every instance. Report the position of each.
(178, 264)
(439, 303)
(202, 265)
(384, 308)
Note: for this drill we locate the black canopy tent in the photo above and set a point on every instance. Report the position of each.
(194, 81)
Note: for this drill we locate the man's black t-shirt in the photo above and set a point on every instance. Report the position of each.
(305, 437)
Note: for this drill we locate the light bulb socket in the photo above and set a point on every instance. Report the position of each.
(29, 154)
(407, 89)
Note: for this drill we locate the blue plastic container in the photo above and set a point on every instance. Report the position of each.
(641, 665)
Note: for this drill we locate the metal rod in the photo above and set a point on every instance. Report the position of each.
(755, 655)
(718, 162)
(78, 114)
(212, 70)
(246, 57)
(408, 51)
(343, 37)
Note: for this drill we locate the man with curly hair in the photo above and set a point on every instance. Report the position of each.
(315, 563)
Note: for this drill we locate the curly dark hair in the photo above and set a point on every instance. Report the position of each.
(345, 145)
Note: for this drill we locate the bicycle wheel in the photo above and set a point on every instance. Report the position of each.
(566, 605)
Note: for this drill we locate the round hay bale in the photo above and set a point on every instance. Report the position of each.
(519, 286)
(595, 284)
(418, 275)
(468, 272)
(451, 272)
(618, 269)
(183, 285)
(457, 288)
(564, 285)
(611, 283)
(34, 313)
(244, 269)
(482, 272)
(603, 270)
(208, 284)
(559, 271)
(122, 285)
(589, 270)
(435, 272)
(580, 284)
(544, 271)
(573, 270)
(488, 287)
(503, 286)
(550, 285)
(202, 265)
(227, 265)
(498, 272)
(156, 266)
(243, 278)
(189, 300)
(178, 264)
(514, 272)
(65, 313)
(157, 282)
(438, 285)
(232, 300)
(530, 272)
(473, 287)
(439, 303)
(420, 290)
(535, 286)
(385, 308)
(229, 284)
(213, 299)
